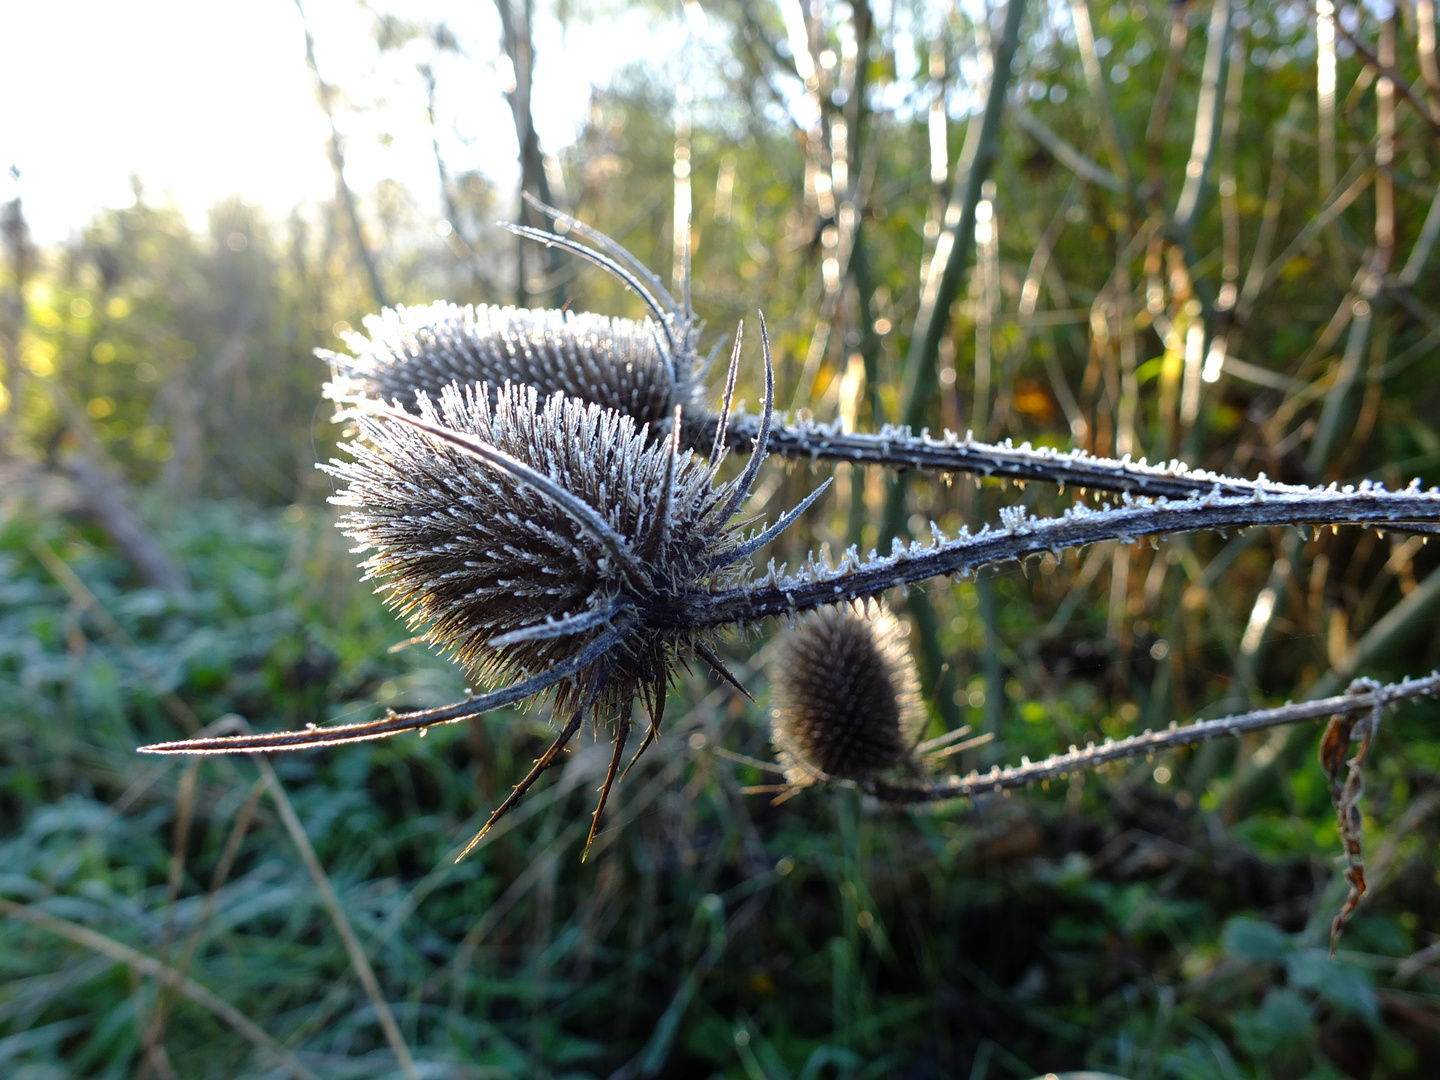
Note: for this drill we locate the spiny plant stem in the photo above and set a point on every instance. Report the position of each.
(952, 253)
(1022, 535)
(900, 448)
(1364, 696)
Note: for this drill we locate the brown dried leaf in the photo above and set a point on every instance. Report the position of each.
(1347, 787)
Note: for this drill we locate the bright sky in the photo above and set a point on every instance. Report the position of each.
(207, 98)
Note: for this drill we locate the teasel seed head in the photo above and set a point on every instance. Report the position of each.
(551, 545)
(614, 363)
(845, 701)
(515, 576)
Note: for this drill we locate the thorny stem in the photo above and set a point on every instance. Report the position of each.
(1365, 697)
(952, 253)
(900, 448)
(1022, 535)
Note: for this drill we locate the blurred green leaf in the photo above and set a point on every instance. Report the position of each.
(1251, 939)
(1342, 985)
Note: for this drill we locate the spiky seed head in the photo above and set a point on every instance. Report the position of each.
(516, 572)
(615, 363)
(845, 699)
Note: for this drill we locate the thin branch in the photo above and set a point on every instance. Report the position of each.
(517, 39)
(1387, 71)
(1021, 535)
(325, 95)
(1258, 276)
(1160, 109)
(1420, 253)
(1347, 191)
(1092, 757)
(1095, 82)
(1425, 48)
(900, 448)
(1067, 155)
(1207, 117)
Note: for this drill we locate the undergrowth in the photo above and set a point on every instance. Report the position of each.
(1152, 929)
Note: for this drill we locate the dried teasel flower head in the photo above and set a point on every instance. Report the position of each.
(845, 699)
(644, 369)
(618, 364)
(549, 545)
(515, 576)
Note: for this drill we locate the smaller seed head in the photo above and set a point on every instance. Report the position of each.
(845, 697)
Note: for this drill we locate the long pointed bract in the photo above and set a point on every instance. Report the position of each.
(543, 762)
(657, 714)
(620, 252)
(313, 737)
(717, 449)
(554, 628)
(749, 547)
(718, 666)
(549, 239)
(660, 529)
(620, 737)
(746, 481)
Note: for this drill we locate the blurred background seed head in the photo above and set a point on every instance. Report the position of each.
(844, 695)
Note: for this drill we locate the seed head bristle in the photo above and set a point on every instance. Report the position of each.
(515, 575)
(615, 363)
(845, 697)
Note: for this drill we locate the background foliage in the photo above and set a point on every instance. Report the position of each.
(1167, 920)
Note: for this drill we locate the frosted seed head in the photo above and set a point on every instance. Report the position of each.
(845, 697)
(615, 363)
(515, 576)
